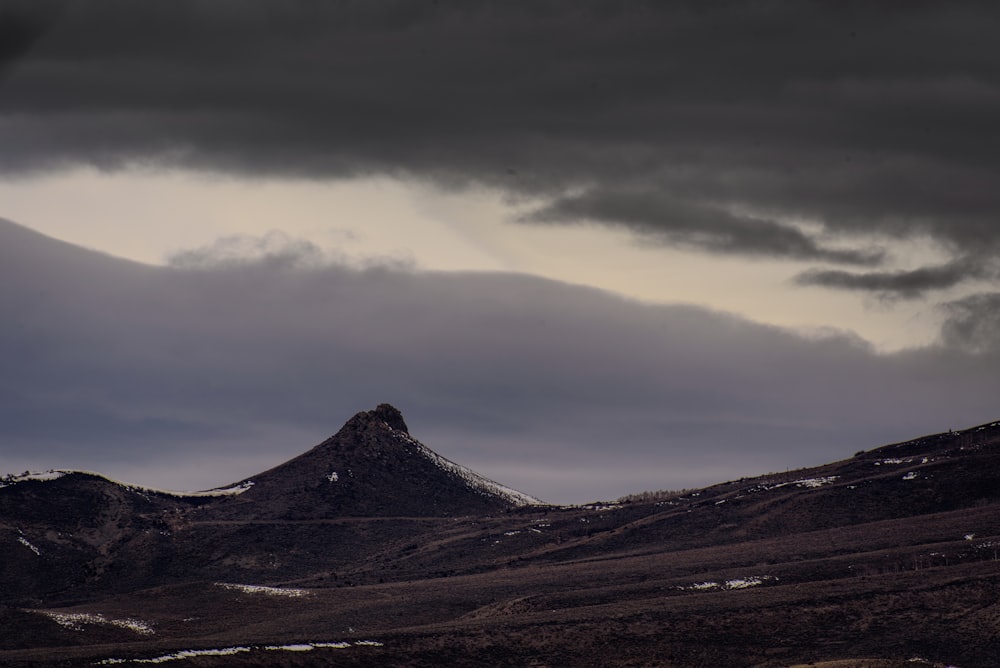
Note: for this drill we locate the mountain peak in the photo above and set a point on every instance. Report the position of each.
(374, 422)
(386, 413)
(372, 467)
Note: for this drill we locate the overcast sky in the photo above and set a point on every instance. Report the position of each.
(587, 248)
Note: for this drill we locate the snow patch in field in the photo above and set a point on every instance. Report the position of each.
(744, 583)
(726, 585)
(925, 662)
(77, 620)
(229, 651)
(912, 475)
(261, 589)
(183, 654)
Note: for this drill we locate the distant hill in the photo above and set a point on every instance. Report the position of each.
(372, 546)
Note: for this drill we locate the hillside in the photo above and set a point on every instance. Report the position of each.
(371, 467)
(403, 558)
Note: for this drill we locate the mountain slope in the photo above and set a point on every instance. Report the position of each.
(372, 467)
(70, 535)
(62, 534)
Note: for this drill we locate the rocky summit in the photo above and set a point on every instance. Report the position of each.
(371, 549)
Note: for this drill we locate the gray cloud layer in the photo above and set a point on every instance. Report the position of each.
(202, 373)
(870, 119)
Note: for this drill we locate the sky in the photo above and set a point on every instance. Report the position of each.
(587, 248)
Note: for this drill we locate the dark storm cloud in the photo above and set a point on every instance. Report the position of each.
(694, 224)
(22, 24)
(900, 284)
(201, 374)
(869, 120)
(973, 322)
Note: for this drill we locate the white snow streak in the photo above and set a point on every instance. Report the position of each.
(240, 649)
(77, 620)
(183, 654)
(815, 482)
(893, 460)
(738, 583)
(261, 589)
(24, 541)
(801, 482)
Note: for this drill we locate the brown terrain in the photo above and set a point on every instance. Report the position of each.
(371, 550)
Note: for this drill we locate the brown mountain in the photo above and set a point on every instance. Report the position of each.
(886, 559)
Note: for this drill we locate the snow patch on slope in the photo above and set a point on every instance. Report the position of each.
(76, 621)
(261, 589)
(24, 541)
(808, 483)
(473, 480)
(55, 474)
(8, 480)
